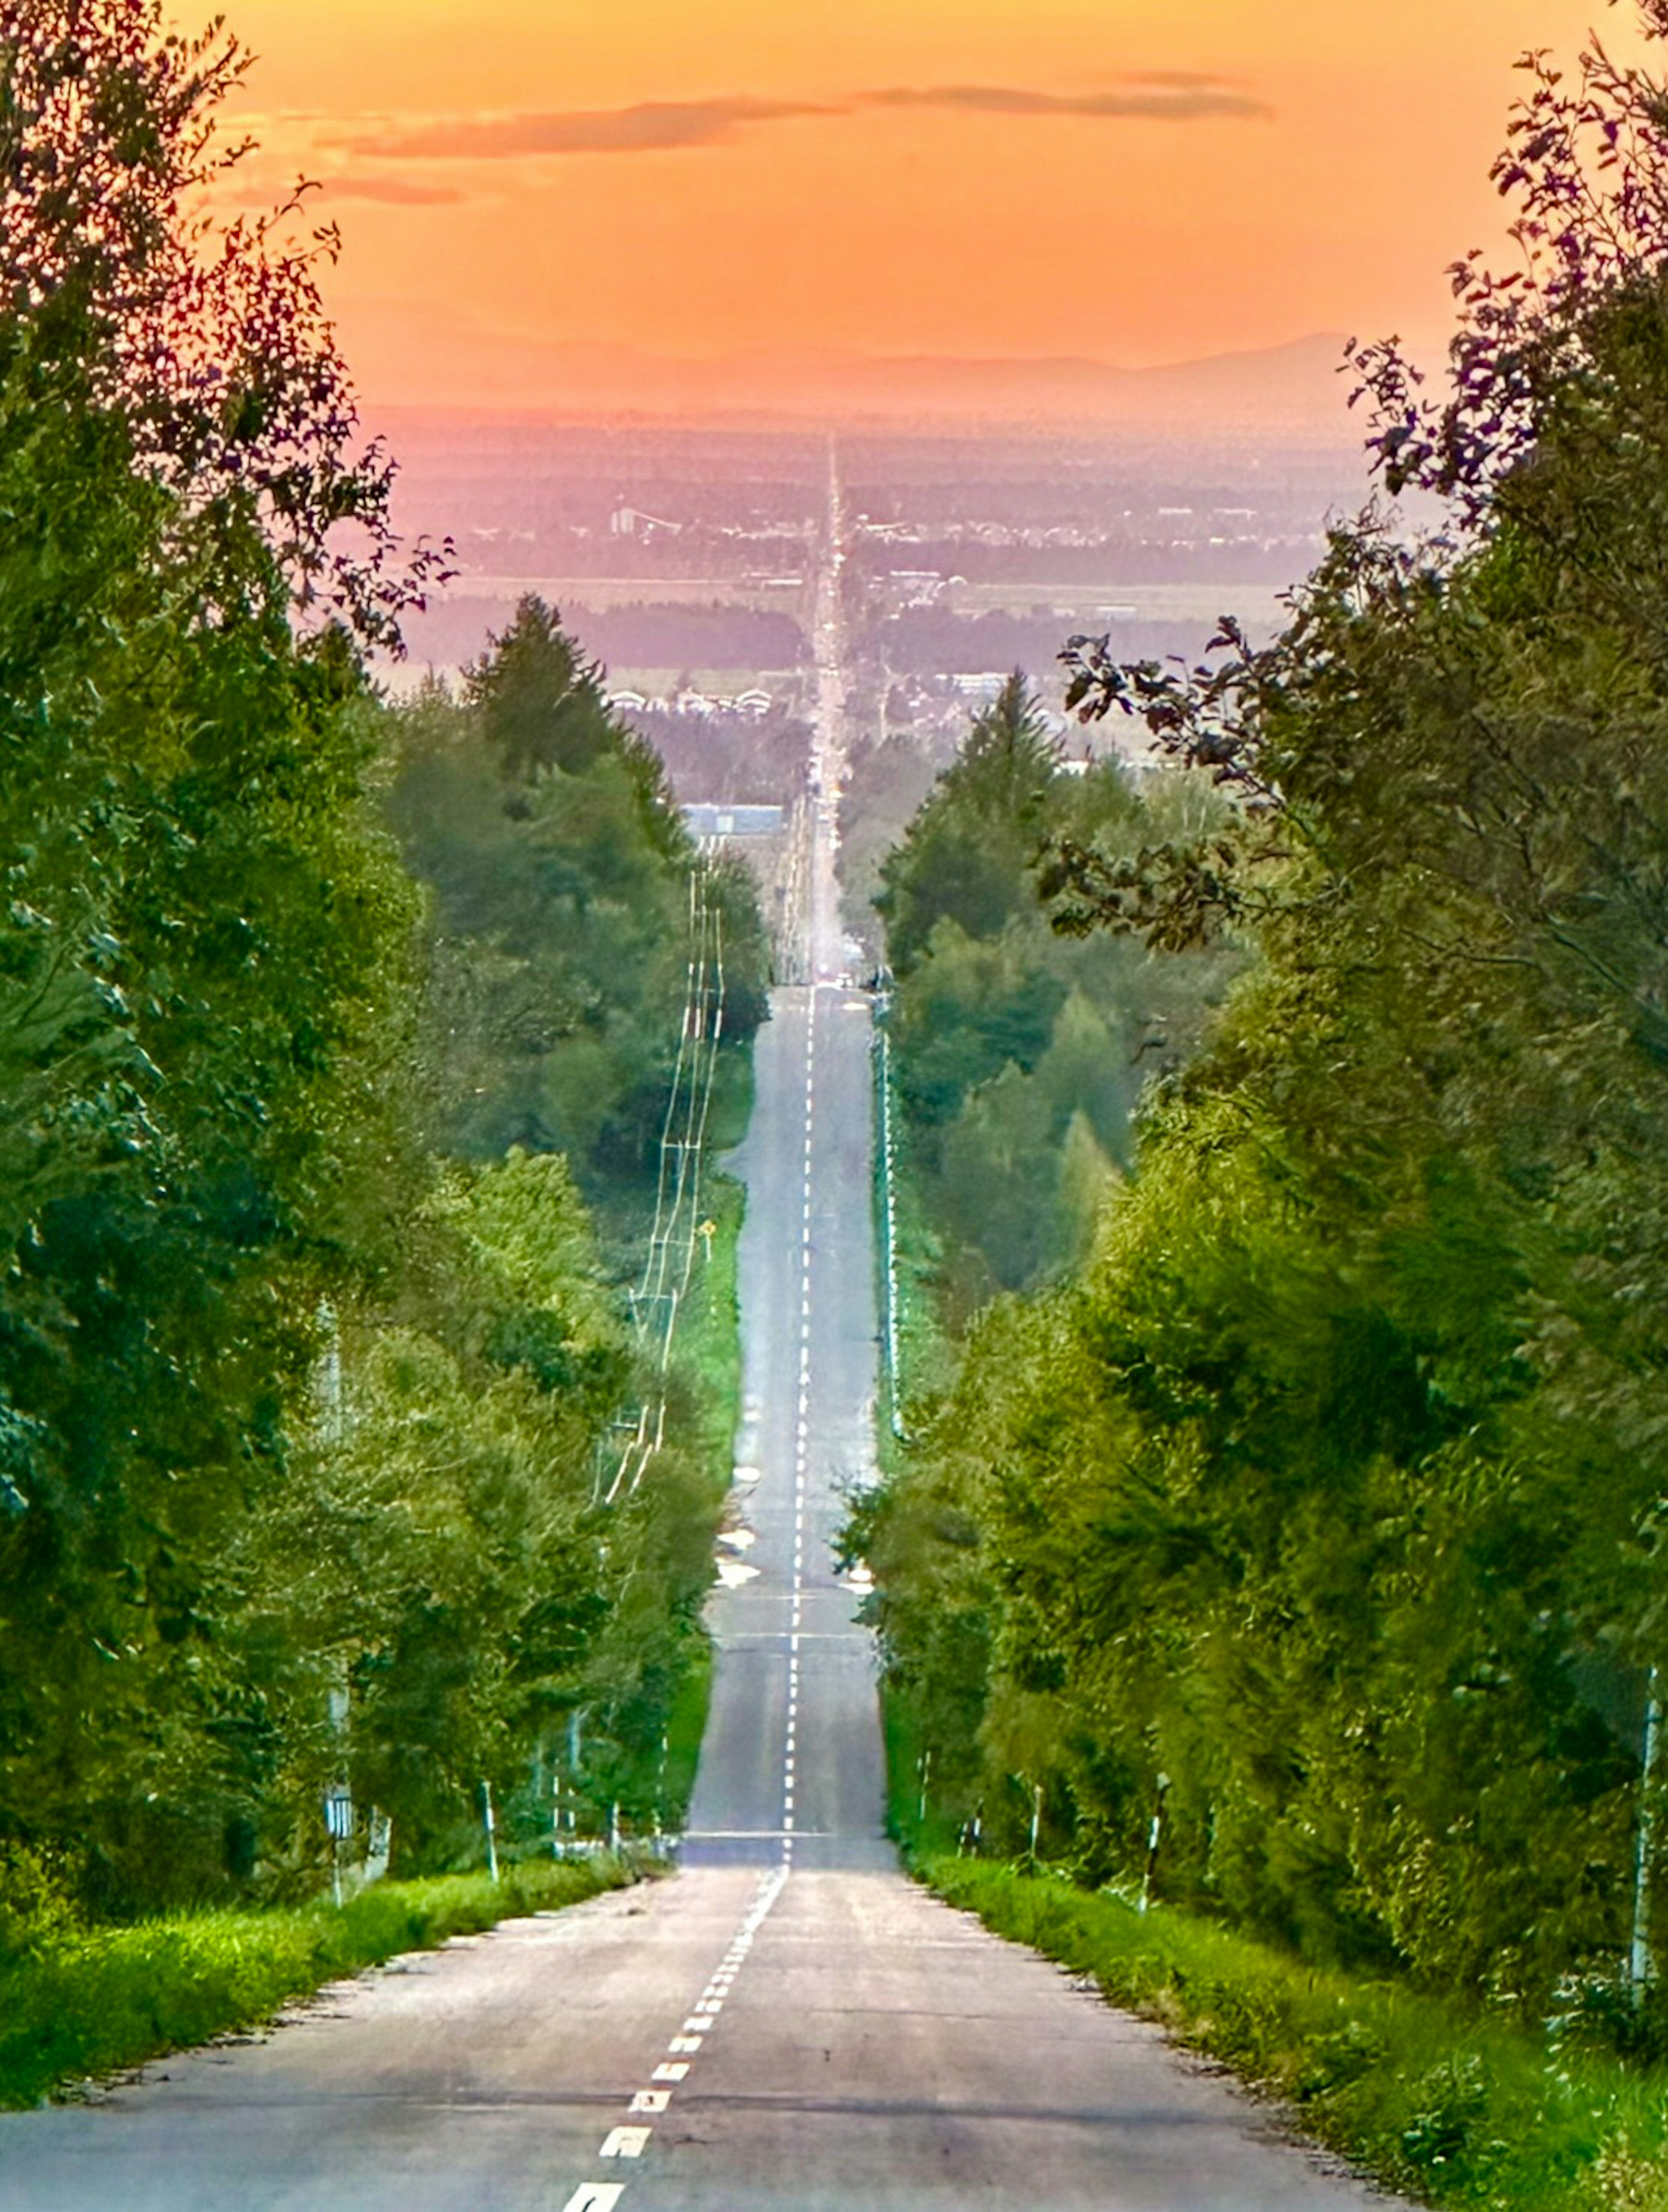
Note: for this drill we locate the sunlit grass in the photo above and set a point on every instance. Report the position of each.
(1442, 2104)
(685, 1728)
(707, 1346)
(111, 1998)
(1447, 2106)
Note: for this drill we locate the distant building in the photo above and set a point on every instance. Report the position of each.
(705, 819)
(627, 522)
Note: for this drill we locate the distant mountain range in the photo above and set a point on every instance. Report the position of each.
(1294, 388)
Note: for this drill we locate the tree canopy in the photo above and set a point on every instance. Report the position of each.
(1329, 1490)
(308, 1365)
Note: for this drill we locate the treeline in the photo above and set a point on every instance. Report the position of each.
(310, 1362)
(1183, 553)
(560, 871)
(1021, 1053)
(1318, 1515)
(669, 633)
(662, 634)
(934, 642)
(748, 760)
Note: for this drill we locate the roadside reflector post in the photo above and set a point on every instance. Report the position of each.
(1153, 1834)
(489, 1822)
(1642, 1966)
(338, 1827)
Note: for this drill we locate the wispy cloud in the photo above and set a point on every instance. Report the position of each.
(1154, 96)
(397, 191)
(661, 125)
(653, 126)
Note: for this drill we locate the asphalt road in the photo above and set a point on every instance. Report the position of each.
(786, 2026)
(790, 1769)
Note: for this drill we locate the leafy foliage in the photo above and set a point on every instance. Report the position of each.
(1329, 1490)
(301, 1414)
(561, 872)
(1021, 1053)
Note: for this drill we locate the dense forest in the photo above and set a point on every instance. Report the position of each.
(666, 634)
(1311, 1523)
(1021, 1053)
(336, 1043)
(935, 641)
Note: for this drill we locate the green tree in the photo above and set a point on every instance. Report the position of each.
(561, 874)
(1330, 1485)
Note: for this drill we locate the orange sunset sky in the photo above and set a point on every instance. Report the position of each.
(1137, 181)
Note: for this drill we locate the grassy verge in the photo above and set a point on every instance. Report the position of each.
(709, 1354)
(117, 1996)
(686, 1726)
(916, 1817)
(708, 1344)
(731, 1108)
(1455, 2109)
(925, 1357)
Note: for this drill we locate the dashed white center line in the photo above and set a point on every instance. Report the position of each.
(687, 2044)
(624, 2143)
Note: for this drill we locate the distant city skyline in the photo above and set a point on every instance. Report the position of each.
(1112, 181)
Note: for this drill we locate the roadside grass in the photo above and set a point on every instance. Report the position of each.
(100, 2000)
(708, 1357)
(1441, 2103)
(106, 1999)
(686, 1726)
(933, 1836)
(926, 1356)
(1450, 2108)
(707, 1348)
(731, 1107)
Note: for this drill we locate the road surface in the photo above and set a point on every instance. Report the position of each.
(786, 2026)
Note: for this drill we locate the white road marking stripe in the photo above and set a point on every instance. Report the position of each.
(650, 2100)
(595, 2196)
(671, 2069)
(624, 2143)
(687, 2044)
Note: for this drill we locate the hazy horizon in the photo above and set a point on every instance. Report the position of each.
(1118, 183)
(1295, 389)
